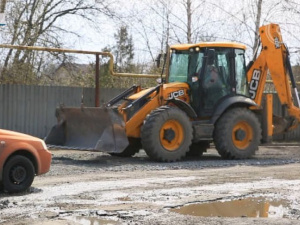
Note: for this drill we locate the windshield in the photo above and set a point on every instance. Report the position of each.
(184, 65)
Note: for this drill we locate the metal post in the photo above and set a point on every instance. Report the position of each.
(97, 82)
(3, 4)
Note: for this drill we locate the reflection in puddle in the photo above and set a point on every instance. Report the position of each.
(86, 220)
(249, 207)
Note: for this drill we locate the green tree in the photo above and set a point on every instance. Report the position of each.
(123, 50)
(106, 80)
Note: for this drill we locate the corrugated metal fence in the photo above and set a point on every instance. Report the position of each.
(280, 111)
(31, 109)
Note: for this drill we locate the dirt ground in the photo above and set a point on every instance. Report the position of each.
(96, 188)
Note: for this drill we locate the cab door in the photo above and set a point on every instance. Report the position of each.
(216, 79)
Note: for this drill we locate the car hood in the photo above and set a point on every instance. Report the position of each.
(13, 135)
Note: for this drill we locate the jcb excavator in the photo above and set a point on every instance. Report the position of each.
(208, 95)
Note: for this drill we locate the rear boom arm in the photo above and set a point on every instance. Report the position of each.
(273, 57)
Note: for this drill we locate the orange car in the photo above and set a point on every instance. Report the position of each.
(21, 158)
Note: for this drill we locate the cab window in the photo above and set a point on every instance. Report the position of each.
(240, 73)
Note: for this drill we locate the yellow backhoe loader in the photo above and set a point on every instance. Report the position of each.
(208, 95)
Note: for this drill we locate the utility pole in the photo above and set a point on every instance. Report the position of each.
(3, 4)
(2, 12)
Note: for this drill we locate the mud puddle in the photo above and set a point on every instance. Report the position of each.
(247, 207)
(89, 220)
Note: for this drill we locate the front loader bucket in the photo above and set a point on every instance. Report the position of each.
(90, 128)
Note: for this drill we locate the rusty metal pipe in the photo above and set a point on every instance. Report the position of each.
(271, 82)
(97, 82)
(104, 54)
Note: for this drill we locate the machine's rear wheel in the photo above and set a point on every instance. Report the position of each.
(166, 134)
(237, 134)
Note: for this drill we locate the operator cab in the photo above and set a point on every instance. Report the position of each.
(214, 71)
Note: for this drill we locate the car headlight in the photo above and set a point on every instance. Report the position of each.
(44, 145)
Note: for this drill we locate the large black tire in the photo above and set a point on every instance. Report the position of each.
(133, 148)
(18, 174)
(166, 134)
(237, 134)
(197, 149)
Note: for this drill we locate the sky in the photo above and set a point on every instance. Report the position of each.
(222, 21)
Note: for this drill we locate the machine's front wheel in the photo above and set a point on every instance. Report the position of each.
(237, 134)
(166, 134)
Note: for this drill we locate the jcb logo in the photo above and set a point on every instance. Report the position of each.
(254, 83)
(176, 94)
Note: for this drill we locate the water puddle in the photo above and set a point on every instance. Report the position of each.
(86, 220)
(248, 207)
(124, 199)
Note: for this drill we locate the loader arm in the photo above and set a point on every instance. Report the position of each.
(274, 57)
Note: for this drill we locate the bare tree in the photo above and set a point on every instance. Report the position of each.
(155, 27)
(166, 22)
(240, 20)
(188, 21)
(257, 25)
(188, 6)
(292, 8)
(38, 22)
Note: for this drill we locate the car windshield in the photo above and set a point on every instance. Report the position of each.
(184, 65)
